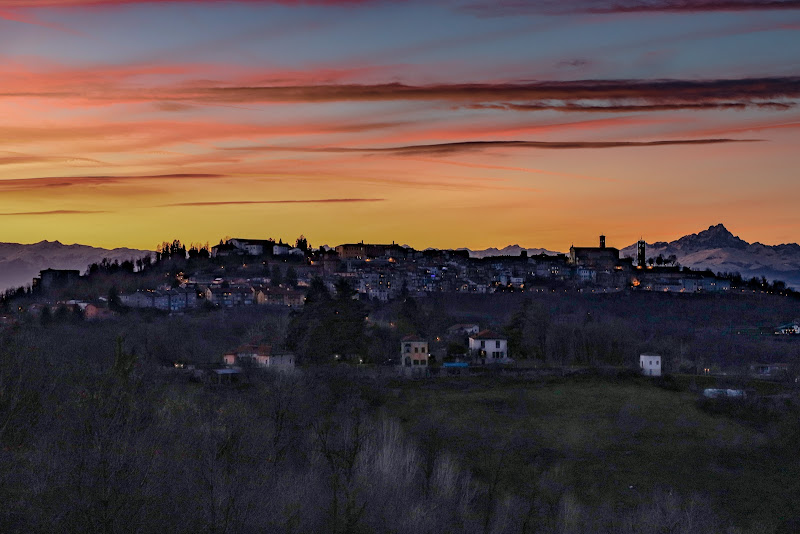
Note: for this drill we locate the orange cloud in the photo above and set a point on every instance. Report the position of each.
(28, 184)
(257, 202)
(52, 212)
(17, 159)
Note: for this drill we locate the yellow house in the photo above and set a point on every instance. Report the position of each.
(414, 351)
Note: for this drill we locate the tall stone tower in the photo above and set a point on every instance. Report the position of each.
(602, 241)
(642, 253)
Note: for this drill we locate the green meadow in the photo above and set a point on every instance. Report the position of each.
(611, 443)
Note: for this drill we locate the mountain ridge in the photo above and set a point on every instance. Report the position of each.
(509, 250)
(715, 248)
(20, 263)
(718, 249)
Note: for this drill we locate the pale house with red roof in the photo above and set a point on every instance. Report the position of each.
(489, 347)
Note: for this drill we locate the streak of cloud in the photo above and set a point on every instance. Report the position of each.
(752, 127)
(27, 184)
(443, 149)
(747, 91)
(691, 6)
(527, 170)
(290, 201)
(109, 3)
(483, 8)
(101, 86)
(52, 212)
(777, 106)
(33, 21)
(20, 159)
(556, 7)
(160, 133)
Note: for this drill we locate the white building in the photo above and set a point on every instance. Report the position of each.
(469, 329)
(489, 347)
(253, 247)
(280, 250)
(650, 364)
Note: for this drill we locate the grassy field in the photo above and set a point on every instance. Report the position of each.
(609, 442)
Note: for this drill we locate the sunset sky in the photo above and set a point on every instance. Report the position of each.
(431, 123)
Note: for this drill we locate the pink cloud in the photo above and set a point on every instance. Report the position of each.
(101, 85)
(515, 169)
(111, 3)
(28, 19)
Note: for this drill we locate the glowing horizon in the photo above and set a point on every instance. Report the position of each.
(433, 124)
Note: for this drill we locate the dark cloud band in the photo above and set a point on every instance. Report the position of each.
(473, 146)
(745, 91)
(611, 108)
(556, 7)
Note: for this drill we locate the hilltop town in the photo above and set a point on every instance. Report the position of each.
(243, 272)
(264, 276)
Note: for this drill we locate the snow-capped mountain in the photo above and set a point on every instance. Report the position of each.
(721, 251)
(510, 250)
(19, 264)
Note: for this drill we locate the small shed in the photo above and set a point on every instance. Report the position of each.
(650, 364)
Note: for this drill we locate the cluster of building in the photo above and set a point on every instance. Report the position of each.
(236, 364)
(384, 272)
(220, 293)
(263, 356)
(254, 247)
(484, 347)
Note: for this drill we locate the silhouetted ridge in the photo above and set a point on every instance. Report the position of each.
(716, 236)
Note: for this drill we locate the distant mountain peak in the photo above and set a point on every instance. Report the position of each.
(721, 251)
(717, 227)
(717, 236)
(718, 230)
